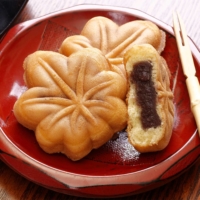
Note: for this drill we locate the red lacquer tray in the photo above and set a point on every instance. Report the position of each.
(115, 169)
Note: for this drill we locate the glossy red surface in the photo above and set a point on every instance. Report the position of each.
(109, 161)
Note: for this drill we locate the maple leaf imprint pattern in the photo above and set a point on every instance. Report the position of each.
(113, 40)
(78, 101)
(73, 104)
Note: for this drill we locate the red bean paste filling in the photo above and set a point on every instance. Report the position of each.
(146, 94)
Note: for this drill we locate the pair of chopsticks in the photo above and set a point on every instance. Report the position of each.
(188, 67)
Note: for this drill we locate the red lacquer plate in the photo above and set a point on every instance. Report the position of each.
(116, 169)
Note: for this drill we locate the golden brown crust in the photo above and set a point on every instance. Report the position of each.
(73, 104)
(150, 139)
(114, 40)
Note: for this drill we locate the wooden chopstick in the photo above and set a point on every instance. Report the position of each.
(188, 67)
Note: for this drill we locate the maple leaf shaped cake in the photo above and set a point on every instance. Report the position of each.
(149, 99)
(114, 40)
(74, 104)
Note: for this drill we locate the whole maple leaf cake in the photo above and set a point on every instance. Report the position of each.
(73, 104)
(114, 40)
(76, 99)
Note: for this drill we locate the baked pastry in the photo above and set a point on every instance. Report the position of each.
(74, 104)
(149, 99)
(113, 39)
